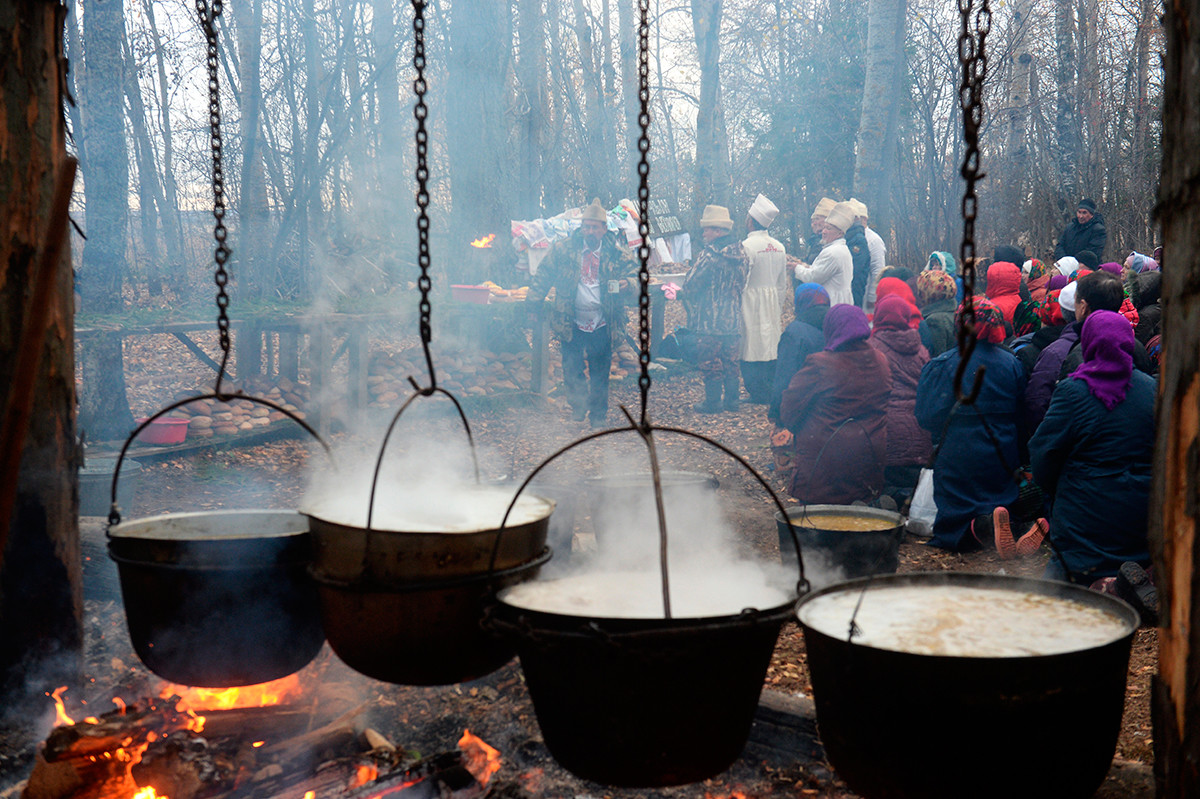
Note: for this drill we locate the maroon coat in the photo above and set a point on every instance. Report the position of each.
(833, 387)
(908, 444)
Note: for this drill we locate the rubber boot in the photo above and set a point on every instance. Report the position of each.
(712, 396)
(733, 390)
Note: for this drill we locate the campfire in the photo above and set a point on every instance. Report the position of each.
(275, 739)
(485, 242)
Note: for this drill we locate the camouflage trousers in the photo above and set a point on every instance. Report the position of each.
(717, 355)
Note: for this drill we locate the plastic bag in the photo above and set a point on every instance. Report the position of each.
(922, 512)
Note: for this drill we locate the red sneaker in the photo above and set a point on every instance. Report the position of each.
(1002, 531)
(1032, 540)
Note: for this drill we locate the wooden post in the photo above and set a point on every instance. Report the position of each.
(1175, 502)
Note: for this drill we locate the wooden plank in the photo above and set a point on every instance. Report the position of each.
(194, 348)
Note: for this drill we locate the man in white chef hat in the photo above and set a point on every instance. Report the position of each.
(767, 286)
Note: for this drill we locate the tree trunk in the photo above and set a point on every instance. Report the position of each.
(597, 150)
(1175, 502)
(1011, 209)
(713, 183)
(41, 630)
(875, 162)
(627, 14)
(148, 198)
(1066, 124)
(256, 279)
(394, 205)
(104, 408)
(172, 221)
(532, 102)
(477, 132)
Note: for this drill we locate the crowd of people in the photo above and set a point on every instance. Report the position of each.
(865, 386)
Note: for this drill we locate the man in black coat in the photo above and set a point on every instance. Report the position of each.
(1085, 232)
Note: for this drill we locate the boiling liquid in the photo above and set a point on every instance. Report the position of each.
(454, 510)
(960, 621)
(843, 521)
(638, 595)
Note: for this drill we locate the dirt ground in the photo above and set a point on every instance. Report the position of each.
(512, 441)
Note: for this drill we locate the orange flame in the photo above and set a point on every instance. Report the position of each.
(61, 719)
(148, 793)
(364, 774)
(484, 242)
(310, 795)
(482, 760)
(261, 695)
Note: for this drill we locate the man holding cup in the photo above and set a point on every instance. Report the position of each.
(593, 277)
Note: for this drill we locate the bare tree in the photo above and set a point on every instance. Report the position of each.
(712, 180)
(876, 147)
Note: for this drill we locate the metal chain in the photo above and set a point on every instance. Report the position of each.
(208, 22)
(421, 113)
(972, 56)
(644, 202)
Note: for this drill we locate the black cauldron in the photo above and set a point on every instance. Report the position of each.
(917, 726)
(220, 598)
(643, 702)
(846, 554)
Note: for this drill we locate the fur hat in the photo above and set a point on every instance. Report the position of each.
(763, 211)
(824, 207)
(716, 216)
(596, 212)
(841, 216)
(860, 208)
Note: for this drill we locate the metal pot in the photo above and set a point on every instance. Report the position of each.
(419, 633)
(846, 553)
(95, 485)
(616, 498)
(898, 724)
(220, 598)
(643, 702)
(405, 607)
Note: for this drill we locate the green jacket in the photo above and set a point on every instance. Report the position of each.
(560, 269)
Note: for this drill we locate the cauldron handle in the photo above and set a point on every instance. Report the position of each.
(114, 513)
(802, 585)
(417, 392)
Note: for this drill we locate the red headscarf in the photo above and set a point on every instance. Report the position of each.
(1003, 287)
(895, 287)
(891, 313)
(989, 321)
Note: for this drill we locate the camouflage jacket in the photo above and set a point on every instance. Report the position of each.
(712, 291)
(560, 270)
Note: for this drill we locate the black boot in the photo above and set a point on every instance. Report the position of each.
(712, 396)
(733, 388)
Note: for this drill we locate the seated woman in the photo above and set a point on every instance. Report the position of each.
(973, 472)
(1093, 453)
(836, 409)
(908, 446)
(800, 339)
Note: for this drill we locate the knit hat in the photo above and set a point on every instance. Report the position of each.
(808, 294)
(934, 284)
(1087, 204)
(824, 206)
(1057, 282)
(1066, 297)
(1111, 266)
(716, 216)
(1088, 259)
(1007, 252)
(860, 208)
(763, 211)
(989, 322)
(841, 216)
(596, 212)
(1067, 265)
(844, 324)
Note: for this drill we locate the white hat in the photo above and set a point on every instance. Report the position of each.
(1067, 265)
(1027, 267)
(1066, 297)
(841, 217)
(860, 208)
(763, 211)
